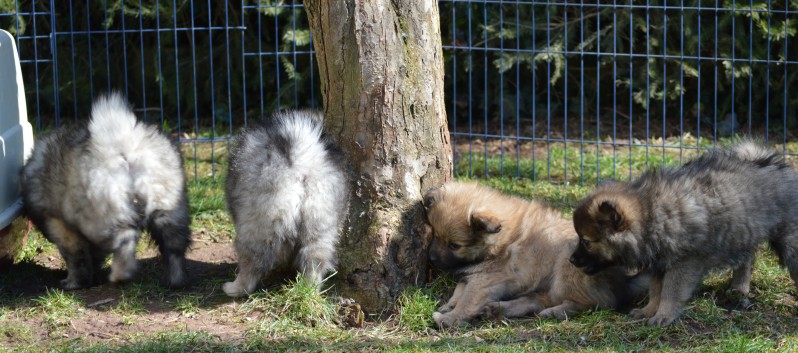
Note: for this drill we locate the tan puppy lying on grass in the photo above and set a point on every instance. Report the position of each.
(511, 257)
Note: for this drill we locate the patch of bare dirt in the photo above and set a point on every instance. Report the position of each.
(117, 314)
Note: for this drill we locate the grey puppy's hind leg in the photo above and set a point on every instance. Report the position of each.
(786, 247)
(80, 272)
(315, 260)
(250, 272)
(254, 262)
(124, 263)
(170, 230)
(75, 250)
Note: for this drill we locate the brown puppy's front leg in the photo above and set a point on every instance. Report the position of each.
(458, 291)
(562, 311)
(519, 307)
(475, 294)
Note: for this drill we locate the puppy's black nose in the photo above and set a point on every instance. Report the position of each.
(433, 257)
(575, 261)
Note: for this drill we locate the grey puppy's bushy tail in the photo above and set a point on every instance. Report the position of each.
(111, 115)
(749, 150)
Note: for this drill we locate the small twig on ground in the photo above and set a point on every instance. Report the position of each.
(100, 302)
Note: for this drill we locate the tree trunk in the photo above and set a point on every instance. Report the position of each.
(381, 69)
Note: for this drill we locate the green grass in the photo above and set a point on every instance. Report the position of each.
(572, 163)
(415, 308)
(187, 305)
(57, 307)
(170, 342)
(34, 242)
(294, 307)
(205, 167)
(295, 316)
(134, 299)
(577, 164)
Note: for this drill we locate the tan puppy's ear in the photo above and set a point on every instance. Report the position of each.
(432, 196)
(484, 222)
(609, 211)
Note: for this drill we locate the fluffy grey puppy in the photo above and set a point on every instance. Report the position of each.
(90, 190)
(288, 193)
(678, 224)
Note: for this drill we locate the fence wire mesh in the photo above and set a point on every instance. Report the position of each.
(564, 91)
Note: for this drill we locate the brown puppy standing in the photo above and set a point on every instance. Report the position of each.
(678, 224)
(511, 255)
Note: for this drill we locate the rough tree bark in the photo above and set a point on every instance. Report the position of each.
(381, 69)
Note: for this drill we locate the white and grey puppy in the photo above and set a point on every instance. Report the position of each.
(288, 193)
(90, 189)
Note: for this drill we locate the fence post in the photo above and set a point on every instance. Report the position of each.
(54, 53)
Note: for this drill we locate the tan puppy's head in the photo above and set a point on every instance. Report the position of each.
(607, 223)
(460, 228)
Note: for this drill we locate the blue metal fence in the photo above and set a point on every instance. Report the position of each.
(577, 91)
(563, 91)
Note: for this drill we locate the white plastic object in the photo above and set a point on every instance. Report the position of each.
(16, 134)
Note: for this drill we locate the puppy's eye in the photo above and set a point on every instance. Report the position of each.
(454, 246)
(585, 242)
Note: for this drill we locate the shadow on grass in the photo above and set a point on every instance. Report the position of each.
(28, 279)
